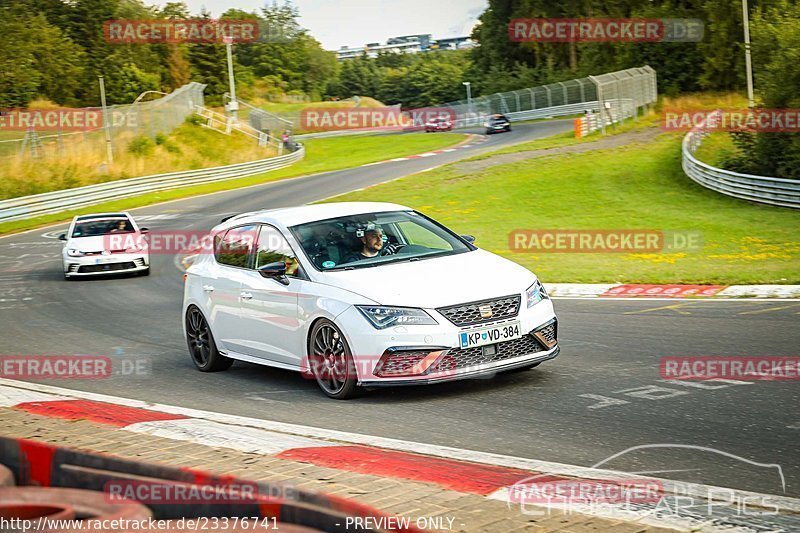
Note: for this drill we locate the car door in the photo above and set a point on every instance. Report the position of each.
(222, 284)
(269, 308)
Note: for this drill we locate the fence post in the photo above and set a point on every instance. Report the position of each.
(564, 86)
(600, 102)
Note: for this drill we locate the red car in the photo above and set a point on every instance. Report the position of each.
(438, 124)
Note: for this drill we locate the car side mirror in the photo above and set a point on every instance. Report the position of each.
(62, 237)
(276, 271)
(144, 230)
(469, 238)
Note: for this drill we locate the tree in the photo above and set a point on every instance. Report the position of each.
(776, 52)
(40, 61)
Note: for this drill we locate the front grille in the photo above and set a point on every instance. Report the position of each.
(457, 358)
(110, 267)
(548, 333)
(398, 363)
(469, 314)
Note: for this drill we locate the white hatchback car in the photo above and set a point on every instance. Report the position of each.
(105, 243)
(362, 294)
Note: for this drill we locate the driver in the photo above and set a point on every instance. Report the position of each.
(373, 240)
(120, 227)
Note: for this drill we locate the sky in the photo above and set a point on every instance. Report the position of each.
(337, 23)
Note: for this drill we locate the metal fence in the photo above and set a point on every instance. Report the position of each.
(762, 189)
(616, 95)
(58, 201)
(125, 122)
(261, 120)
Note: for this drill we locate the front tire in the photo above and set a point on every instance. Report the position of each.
(202, 347)
(331, 361)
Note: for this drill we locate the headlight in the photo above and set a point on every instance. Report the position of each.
(535, 294)
(382, 317)
(72, 252)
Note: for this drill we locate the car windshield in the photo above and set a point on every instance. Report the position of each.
(374, 239)
(98, 227)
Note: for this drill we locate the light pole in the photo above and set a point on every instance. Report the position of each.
(106, 122)
(233, 105)
(747, 62)
(468, 85)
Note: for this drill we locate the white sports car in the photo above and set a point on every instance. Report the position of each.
(362, 294)
(106, 243)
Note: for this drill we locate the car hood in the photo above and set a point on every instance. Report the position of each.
(101, 242)
(436, 282)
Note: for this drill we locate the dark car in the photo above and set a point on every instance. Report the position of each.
(497, 123)
(438, 124)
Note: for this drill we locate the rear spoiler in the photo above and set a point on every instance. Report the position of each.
(227, 218)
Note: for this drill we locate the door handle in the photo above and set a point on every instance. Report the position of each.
(208, 288)
(246, 296)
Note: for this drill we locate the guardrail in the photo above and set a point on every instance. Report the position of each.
(762, 189)
(57, 201)
(532, 114)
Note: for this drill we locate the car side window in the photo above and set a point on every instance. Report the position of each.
(234, 248)
(272, 248)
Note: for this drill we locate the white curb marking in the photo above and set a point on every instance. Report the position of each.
(244, 439)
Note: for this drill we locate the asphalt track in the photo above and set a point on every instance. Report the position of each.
(601, 396)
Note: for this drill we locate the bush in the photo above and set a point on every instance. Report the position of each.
(194, 119)
(141, 146)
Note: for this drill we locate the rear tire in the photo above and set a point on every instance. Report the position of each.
(202, 347)
(331, 361)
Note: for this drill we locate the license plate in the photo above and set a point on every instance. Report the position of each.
(103, 260)
(489, 335)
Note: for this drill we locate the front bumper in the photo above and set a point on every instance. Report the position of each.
(470, 373)
(98, 265)
(434, 351)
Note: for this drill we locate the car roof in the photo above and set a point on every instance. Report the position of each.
(102, 215)
(292, 216)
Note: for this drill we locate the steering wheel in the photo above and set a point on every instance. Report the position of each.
(390, 249)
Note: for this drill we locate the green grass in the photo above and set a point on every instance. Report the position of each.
(78, 161)
(322, 155)
(716, 148)
(630, 187)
